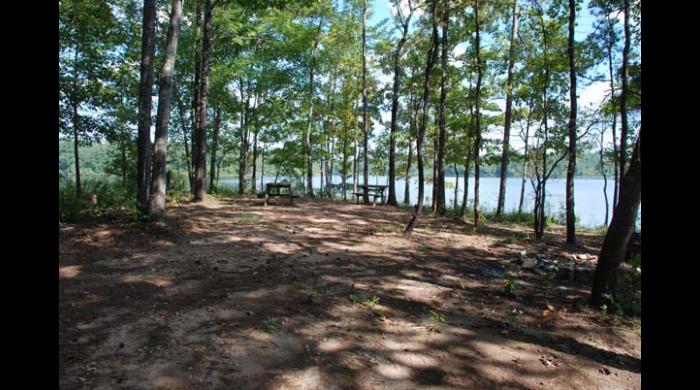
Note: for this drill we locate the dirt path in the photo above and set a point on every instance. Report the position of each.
(320, 295)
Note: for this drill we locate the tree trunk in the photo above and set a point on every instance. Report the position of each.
(365, 112)
(623, 93)
(407, 188)
(571, 170)
(454, 206)
(430, 61)
(214, 148)
(477, 106)
(76, 153)
(508, 115)
(200, 173)
(307, 138)
(196, 85)
(439, 182)
(466, 183)
(621, 226)
(525, 158)
(616, 163)
(605, 178)
(243, 157)
(144, 113)
(165, 93)
(262, 167)
(394, 112)
(181, 109)
(253, 180)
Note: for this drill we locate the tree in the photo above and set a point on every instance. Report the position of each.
(430, 62)
(200, 157)
(508, 113)
(165, 92)
(439, 184)
(620, 229)
(404, 23)
(477, 118)
(570, 212)
(145, 96)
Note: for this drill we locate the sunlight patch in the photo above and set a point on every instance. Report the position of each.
(70, 271)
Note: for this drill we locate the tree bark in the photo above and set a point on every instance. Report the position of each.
(307, 138)
(76, 153)
(365, 112)
(165, 93)
(525, 157)
(440, 155)
(571, 170)
(407, 187)
(477, 106)
(508, 114)
(605, 178)
(616, 174)
(200, 172)
(144, 112)
(430, 61)
(196, 85)
(621, 226)
(214, 148)
(395, 105)
(181, 110)
(623, 93)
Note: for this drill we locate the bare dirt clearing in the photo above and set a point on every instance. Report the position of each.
(323, 295)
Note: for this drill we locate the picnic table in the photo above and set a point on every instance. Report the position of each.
(373, 190)
(273, 189)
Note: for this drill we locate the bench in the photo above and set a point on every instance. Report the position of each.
(359, 195)
(278, 186)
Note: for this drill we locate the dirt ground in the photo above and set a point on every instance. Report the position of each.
(319, 295)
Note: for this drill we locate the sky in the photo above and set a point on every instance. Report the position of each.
(589, 94)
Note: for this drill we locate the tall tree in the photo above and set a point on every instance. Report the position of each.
(571, 170)
(145, 97)
(477, 118)
(404, 23)
(625, 89)
(508, 113)
(430, 62)
(307, 137)
(200, 171)
(439, 183)
(620, 229)
(365, 111)
(165, 93)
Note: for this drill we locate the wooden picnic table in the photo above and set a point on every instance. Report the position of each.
(373, 190)
(269, 187)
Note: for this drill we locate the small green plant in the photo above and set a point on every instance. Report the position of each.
(371, 302)
(438, 321)
(423, 248)
(271, 325)
(355, 299)
(313, 296)
(510, 285)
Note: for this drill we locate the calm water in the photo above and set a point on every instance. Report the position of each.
(589, 201)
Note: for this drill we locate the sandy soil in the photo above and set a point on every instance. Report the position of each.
(232, 295)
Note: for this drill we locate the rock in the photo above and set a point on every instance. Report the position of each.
(529, 263)
(604, 371)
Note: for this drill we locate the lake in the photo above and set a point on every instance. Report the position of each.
(588, 194)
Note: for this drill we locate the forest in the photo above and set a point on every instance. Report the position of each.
(181, 267)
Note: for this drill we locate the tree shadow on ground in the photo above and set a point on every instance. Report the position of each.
(267, 303)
